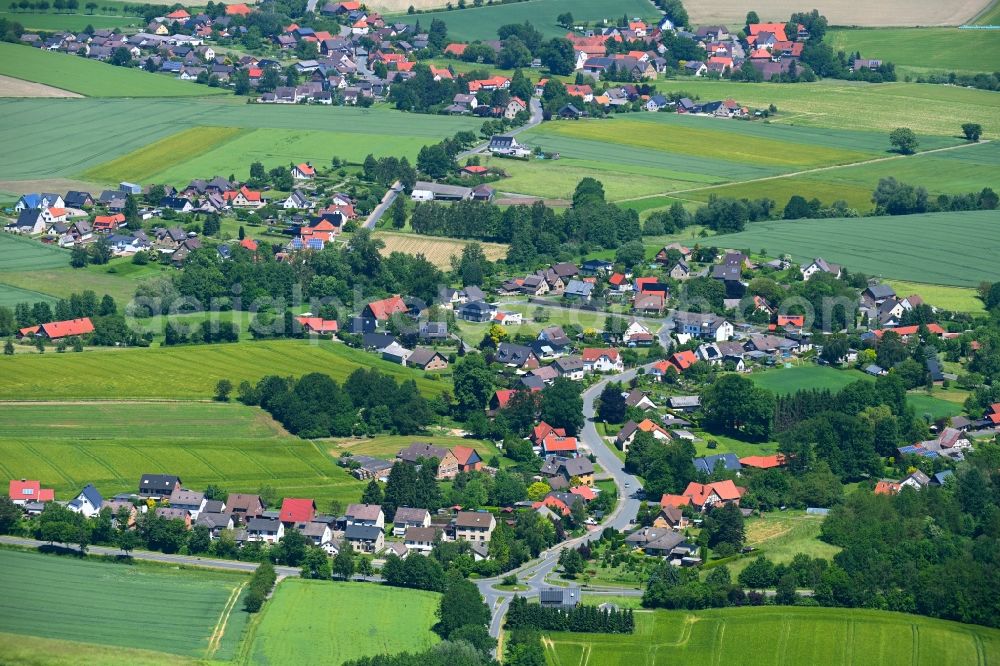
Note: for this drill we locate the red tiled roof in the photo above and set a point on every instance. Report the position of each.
(558, 504)
(443, 72)
(543, 430)
(474, 168)
(387, 307)
(777, 29)
(586, 492)
(594, 353)
(553, 443)
(683, 360)
(255, 72)
(238, 10)
(318, 324)
(29, 491)
(455, 49)
(763, 462)
(249, 244)
(463, 454)
(60, 329)
(887, 488)
(794, 320)
(306, 169)
(503, 397)
(935, 329)
(297, 510)
(675, 501)
(726, 490)
(579, 91)
(647, 425)
(178, 14)
(616, 279)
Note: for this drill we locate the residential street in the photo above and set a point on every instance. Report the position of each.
(380, 209)
(536, 119)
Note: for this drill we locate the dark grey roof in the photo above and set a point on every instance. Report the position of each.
(159, 482)
(708, 463)
(509, 353)
(362, 532)
(263, 525)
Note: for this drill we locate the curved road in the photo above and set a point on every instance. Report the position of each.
(533, 573)
(536, 119)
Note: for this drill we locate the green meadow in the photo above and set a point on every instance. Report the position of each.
(186, 372)
(187, 613)
(92, 78)
(313, 622)
(52, 22)
(780, 635)
(111, 444)
(482, 22)
(923, 50)
(956, 249)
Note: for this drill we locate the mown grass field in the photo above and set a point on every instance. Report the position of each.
(33, 651)
(183, 372)
(193, 614)
(842, 12)
(482, 22)
(776, 635)
(112, 444)
(57, 146)
(312, 622)
(859, 106)
(954, 249)
(92, 78)
(11, 295)
(923, 49)
(782, 535)
(119, 278)
(989, 16)
(52, 22)
(438, 251)
(958, 299)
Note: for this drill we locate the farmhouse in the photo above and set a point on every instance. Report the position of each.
(56, 330)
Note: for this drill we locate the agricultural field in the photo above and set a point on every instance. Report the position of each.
(33, 651)
(197, 614)
(990, 15)
(185, 373)
(11, 87)
(778, 635)
(482, 22)
(115, 128)
(311, 622)
(77, 22)
(901, 248)
(957, 299)
(923, 50)
(438, 251)
(841, 12)
(834, 104)
(118, 278)
(111, 444)
(781, 536)
(92, 78)
(20, 254)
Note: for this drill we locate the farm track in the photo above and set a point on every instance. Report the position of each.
(803, 172)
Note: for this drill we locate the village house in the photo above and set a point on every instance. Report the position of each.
(158, 485)
(421, 539)
(268, 530)
(447, 462)
(704, 326)
(407, 518)
(24, 491)
(365, 515)
(242, 507)
(627, 434)
(474, 526)
(602, 360)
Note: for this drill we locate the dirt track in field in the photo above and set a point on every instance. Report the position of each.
(11, 87)
(840, 12)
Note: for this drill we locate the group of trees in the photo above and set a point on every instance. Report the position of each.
(260, 585)
(585, 619)
(208, 332)
(317, 406)
(892, 197)
(665, 466)
(407, 485)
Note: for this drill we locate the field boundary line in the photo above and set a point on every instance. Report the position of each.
(720, 631)
(980, 650)
(198, 456)
(263, 469)
(804, 172)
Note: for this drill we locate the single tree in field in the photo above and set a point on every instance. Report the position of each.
(8, 347)
(223, 389)
(904, 140)
(91, 6)
(972, 131)
(343, 563)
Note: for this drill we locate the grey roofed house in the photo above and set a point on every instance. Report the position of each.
(565, 269)
(668, 544)
(510, 354)
(532, 382)
(636, 397)
(377, 340)
(417, 450)
(368, 467)
(579, 289)
(263, 525)
(214, 506)
(362, 532)
(422, 356)
(879, 292)
(554, 335)
(215, 521)
(577, 467)
(475, 518)
(934, 368)
(941, 478)
(410, 515)
(568, 365)
(476, 311)
(77, 199)
(172, 513)
(548, 373)
(559, 597)
(707, 464)
(770, 343)
(474, 293)
(158, 484)
(422, 534)
(363, 512)
(443, 191)
(89, 493)
(684, 401)
(641, 537)
(433, 330)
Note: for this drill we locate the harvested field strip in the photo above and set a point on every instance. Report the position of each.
(438, 251)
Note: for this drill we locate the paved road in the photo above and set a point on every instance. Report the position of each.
(533, 573)
(186, 560)
(534, 106)
(380, 209)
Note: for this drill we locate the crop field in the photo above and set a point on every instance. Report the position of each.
(11, 296)
(195, 614)
(779, 635)
(482, 22)
(312, 622)
(781, 536)
(841, 12)
(92, 78)
(21, 254)
(56, 146)
(923, 49)
(11, 87)
(835, 104)
(111, 444)
(34, 651)
(990, 15)
(183, 372)
(903, 247)
(118, 278)
(438, 251)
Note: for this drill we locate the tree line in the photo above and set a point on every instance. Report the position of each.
(581, 619)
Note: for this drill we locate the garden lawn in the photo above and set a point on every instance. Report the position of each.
(93, 78)
(958, 299)
(780, 535)
(766, 636)
(901, 247)
(923, 50)
(111, 444)
(84, 600)
(482, 22)
(186, 372)
(312, 622)
(789, 380)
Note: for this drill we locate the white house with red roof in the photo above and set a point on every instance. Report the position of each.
(602, 360)
(297, 510)
(553, 444)
(318, 325)
(304, 171)
(244, 197)
(382, 310)
(704, 496)
(23, 491)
